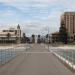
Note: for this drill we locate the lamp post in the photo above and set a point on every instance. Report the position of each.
(48, 38)
(43, 39)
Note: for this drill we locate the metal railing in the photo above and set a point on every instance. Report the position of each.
(66, 55)
(7, 54)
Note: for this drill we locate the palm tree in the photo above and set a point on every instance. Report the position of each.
(8, 36)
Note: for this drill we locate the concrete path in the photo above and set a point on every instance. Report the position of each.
(37, 62)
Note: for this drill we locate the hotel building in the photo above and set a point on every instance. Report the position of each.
(11, 35)
(68, 19)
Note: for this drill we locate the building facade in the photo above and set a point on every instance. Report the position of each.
(68, 19)
(11, 35)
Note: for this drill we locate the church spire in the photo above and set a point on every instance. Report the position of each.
(18, 27)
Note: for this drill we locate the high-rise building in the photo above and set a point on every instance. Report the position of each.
(68, 20)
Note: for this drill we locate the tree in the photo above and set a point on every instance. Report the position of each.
(8, 36)
(47, 35)
(33, 38)
(63, 35)
(39, 39)
(24, 38)
(27, 40)
(48, 38)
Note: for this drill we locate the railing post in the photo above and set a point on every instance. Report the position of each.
(5, 55)
(72, 59)
(1, 56)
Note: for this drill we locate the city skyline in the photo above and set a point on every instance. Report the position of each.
(34, 16)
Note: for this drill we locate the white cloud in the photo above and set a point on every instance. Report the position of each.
(7, 1)
(40, 1)
(8, 13)
(38, 13)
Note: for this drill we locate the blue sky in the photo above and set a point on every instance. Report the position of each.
(34, 16)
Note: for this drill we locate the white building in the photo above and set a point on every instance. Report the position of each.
(11, 35)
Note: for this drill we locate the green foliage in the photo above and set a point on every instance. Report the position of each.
(24, 38)
(8, 35)
(47, 35)
(63, 34)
